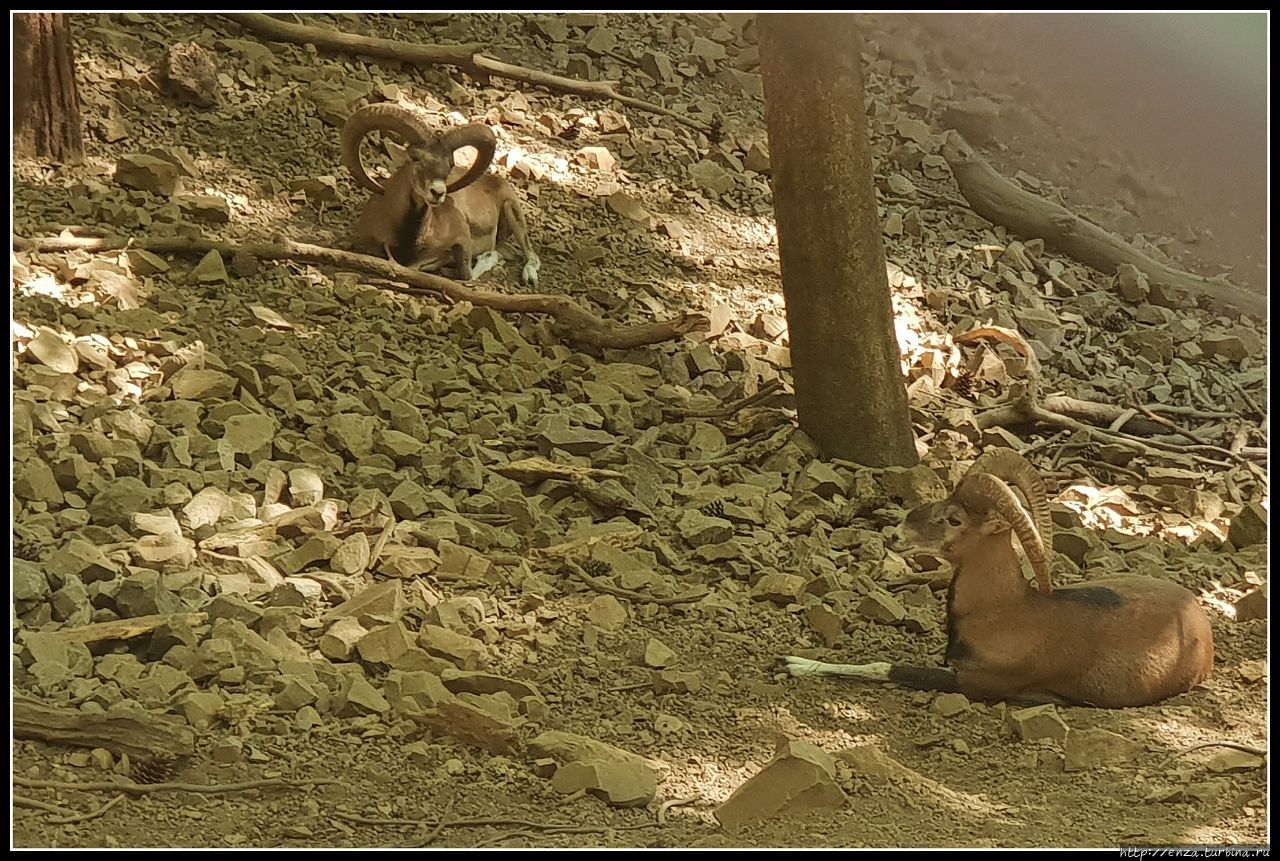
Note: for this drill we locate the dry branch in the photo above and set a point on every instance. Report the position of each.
(136, 735)
(467, 57)
(1025, 411)
(577, 324)
(618, 592)
(1001, 202)
(126, 629)
(150, 788)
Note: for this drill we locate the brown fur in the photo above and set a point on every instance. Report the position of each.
(1125, 641)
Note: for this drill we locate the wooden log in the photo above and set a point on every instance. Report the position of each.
(139, 735)
(1001, 202)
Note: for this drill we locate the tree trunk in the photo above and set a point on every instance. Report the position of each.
(850, 392)
(46, 107)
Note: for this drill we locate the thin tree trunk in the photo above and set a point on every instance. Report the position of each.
(850, 392)
(46, 107)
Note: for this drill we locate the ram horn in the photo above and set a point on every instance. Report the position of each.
(385, 116)
(476, 135)
(984, 490)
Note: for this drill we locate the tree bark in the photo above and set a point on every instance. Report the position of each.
(46, 106)
(850, 393)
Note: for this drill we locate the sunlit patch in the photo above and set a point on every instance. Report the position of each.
(1113, 508)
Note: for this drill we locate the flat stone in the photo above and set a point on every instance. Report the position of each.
(1252, 606)
(210, 270)
(781, 589)
(1249, 527)
(467, 653)
(195, 384)
(360, 698)
(621, 784)
(607, 613)
(1038, 722)
(676, 682)
(384, 644)
(118, 501)
(657, 654)
(596, 158)
(710, 176)
(800, 778)
(1092, 748)
(146, 173)
(571, 747)
(469, 723)
(880, 606)
(950, 704)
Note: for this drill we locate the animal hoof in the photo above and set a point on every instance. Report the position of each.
(529, 275)
(795, 667)
(484, 263)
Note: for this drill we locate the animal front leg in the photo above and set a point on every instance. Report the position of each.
(920, 678)
(485, 262)
(514, 220)
(462, 262)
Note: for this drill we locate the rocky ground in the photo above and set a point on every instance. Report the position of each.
(382, 571)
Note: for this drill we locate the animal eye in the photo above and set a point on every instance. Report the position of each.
(954, 520)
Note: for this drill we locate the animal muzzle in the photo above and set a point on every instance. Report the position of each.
(435, 193)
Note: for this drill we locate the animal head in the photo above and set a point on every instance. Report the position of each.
(983, 505)
(430, 154)
(947, 528)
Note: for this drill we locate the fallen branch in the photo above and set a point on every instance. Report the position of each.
(578, 324)
(1025, 410)
(467, 57)
(37, 804)
(766, 391)
(138, 735)
(127, 629)
(674, 802)
(618, 592)
(1089, 412)
(148, 788)
(91, 814)
(440, 824)
(532, 470)
(1001, 202)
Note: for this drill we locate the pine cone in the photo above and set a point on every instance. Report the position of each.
(715, 508)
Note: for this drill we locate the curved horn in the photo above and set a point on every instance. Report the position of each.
(1007, 464)
(385, 116)
(983, 490)
(476, 135)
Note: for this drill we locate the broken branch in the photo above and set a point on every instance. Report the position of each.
(1001, 202)
(467, 56)
(579, 325)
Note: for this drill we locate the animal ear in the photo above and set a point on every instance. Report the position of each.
(992, 524)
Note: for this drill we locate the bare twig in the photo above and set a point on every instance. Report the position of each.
(37, 804)
(1233, 745)
(496, 822)
(92, 814)
(674, 802)
(1248, 399)
(766, 391)
(579, 324)
(467, 57)
(148, 788)
(617, 591)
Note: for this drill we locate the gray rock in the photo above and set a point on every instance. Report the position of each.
(116, 503)
(146, 173)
